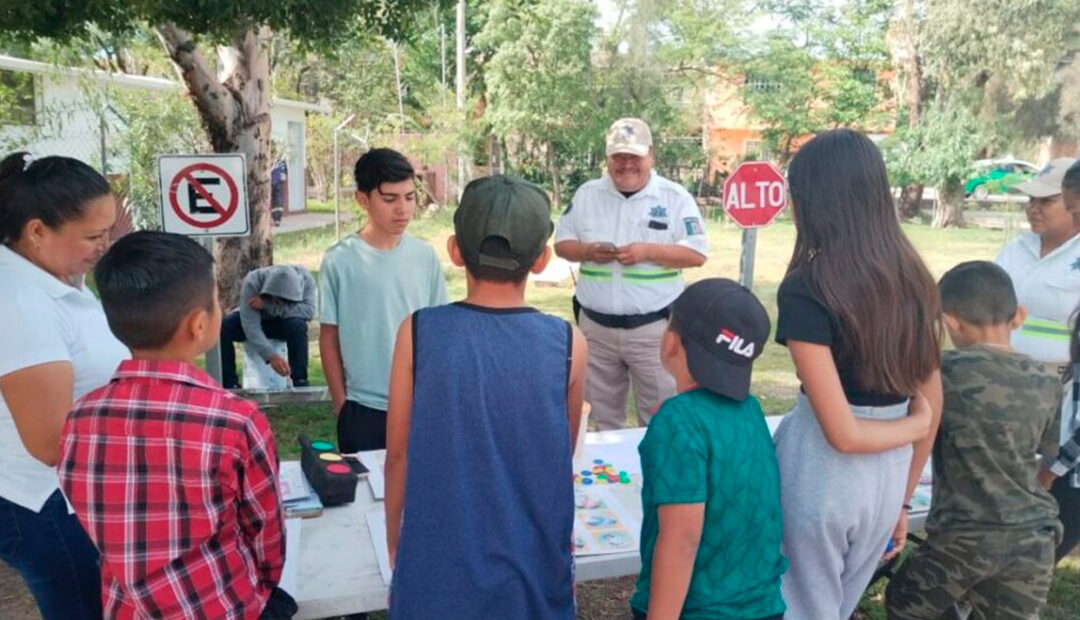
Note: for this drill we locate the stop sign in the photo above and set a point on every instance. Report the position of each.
(755, 194)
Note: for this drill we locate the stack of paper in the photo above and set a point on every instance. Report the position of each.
(298, 499)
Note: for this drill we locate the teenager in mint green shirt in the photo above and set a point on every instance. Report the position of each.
(368, 283)
(711, 534)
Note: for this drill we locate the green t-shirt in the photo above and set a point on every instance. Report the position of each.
(367, 293)
(1001, 407)
(705, 448)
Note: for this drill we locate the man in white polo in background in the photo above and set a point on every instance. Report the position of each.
(633, 232)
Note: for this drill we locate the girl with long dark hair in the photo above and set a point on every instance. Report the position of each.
(859, 313)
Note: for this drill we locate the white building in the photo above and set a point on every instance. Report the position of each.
(80, 133)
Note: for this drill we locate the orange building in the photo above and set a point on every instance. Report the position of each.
(733, 135)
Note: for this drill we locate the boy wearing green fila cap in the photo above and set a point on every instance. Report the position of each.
(485, 400)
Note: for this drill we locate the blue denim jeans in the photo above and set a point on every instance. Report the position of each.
(54, 556)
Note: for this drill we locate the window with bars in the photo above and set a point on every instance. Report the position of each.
(761, 83)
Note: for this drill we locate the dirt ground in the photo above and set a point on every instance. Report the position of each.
(598, 600)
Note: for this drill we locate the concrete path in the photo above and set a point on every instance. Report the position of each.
(308, 221)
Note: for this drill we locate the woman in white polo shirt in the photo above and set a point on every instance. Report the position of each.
(55, 345)
(1044, 265)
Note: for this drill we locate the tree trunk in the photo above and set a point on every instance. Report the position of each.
(553, 169)
(910, 201)
(234, 107)
(949, 207)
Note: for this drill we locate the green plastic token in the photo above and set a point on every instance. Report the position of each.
(322, 445)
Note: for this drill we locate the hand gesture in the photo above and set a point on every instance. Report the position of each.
(634, 253)
(899, 536)
(280, 365)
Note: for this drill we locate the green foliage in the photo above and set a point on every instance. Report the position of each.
(818, 70)
(16, 98)
(317, 23)
(537, 75)
(967, 40)
(154, 125)
(939, 152)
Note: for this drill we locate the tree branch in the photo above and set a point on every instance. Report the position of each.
(215, 104)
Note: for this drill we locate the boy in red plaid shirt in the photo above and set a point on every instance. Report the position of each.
(174, 478)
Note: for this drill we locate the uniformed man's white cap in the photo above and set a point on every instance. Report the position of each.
(630, 136)
(1048, 181)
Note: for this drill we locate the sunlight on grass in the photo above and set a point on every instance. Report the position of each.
(774, 378)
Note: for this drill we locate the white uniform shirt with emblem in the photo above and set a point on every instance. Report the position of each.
(662, 212)
(1049, 287)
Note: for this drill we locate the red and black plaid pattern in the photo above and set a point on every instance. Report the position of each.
(175, 480)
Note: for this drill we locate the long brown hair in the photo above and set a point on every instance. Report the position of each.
(857, 260)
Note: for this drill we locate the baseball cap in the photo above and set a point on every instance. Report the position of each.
(629, 135)
(1048, 181)
(505, 207)
(724, 329)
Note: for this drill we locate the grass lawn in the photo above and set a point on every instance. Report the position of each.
(774, 378)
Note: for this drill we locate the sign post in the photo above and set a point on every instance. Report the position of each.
(205, 197)
(753, 196)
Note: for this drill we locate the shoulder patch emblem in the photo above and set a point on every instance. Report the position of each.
(693, 226)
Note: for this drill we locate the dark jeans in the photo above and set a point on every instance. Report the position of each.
(293, 331)
(640, 615)
(360, 428)
(54, 556)
(1068, 500)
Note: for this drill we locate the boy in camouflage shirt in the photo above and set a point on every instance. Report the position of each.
(992, 528)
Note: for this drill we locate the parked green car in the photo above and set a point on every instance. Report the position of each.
(997, 176)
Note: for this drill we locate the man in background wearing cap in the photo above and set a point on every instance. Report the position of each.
(712, 529)
(1044, 265)
(276, 302)
(632, 231)
(485, 402)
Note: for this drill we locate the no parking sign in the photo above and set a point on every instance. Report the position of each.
(204, 195)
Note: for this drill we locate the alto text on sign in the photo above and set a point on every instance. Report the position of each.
(204, 195)
(755, 194)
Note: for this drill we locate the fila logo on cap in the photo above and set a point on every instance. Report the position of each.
(735, 343)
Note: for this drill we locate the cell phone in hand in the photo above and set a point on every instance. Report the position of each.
(607, 246)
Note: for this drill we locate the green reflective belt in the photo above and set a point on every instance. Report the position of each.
(596, 273)
(1041, 328)
(650, 275)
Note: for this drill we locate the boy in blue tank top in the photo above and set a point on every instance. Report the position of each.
(485, 400)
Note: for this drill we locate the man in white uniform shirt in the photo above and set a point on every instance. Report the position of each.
(633, 232)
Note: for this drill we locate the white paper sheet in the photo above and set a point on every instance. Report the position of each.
(290, 573)
(375, 462)
(376, 522)
(619, 449)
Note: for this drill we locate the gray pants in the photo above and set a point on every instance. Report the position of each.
(617, 357)
(839, 512)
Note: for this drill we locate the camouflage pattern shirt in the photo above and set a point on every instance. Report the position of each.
(1001, 408)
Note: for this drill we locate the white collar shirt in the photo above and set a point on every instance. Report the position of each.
(662, 212)
(44, 320)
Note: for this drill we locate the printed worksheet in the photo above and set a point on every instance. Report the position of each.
(602, 525)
